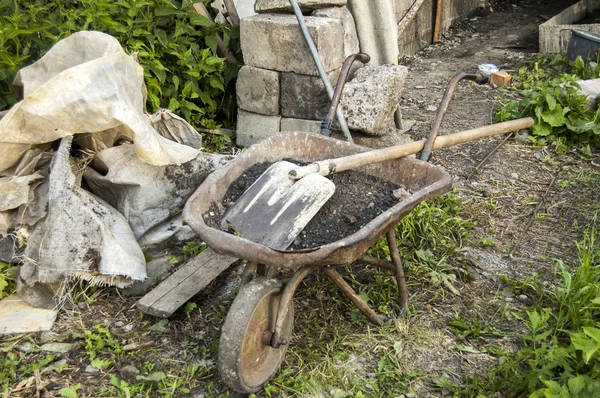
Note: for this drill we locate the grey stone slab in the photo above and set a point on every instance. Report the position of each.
(304, 96)
(351, 45)
(252, 127)
(393, 137)
(275, 42)
(370, 100)
(263, 6)
(309, 126)
(16, 316)
(7, 248)
(257, 90)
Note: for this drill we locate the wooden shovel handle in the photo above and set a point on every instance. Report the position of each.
(326, 167)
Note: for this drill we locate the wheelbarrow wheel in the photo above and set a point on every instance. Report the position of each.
(246, 359)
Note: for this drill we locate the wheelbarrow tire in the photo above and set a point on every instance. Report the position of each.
(246, 363)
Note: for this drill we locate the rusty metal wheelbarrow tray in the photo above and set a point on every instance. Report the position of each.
(424, 180)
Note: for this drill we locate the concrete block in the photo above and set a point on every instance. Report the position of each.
(304, 96)
(309, 126)
(263, 6)
(345, 16)
(392, 137)
(275, 42)
(555, 33)
(370, 100)
(16, 316)
(257, 90)
(252, 127)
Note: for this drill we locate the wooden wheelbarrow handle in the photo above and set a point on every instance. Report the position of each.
(326, 167)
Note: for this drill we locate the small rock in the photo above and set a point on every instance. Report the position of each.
(523, 298)
(509, 299)
(57, 347)
(119, 324)
(128, 328)
(420, 87)
(514, 176)
(130, 370)
(91, 369)
(350, 218)
(522, 137)
(432, 108)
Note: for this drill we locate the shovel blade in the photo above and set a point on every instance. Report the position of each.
(276, 208)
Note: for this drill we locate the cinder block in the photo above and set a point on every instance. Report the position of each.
(370, 100)
(257, 90)
(275, 42)
(305, 97)
(263, 6)
(351, 45)
(252, 127)
(309, 126)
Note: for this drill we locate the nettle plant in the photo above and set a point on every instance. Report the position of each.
(176, 47)
(548, 91)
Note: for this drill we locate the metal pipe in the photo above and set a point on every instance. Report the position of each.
(438, 22)
(378, 262)
(355, 298)
(285, 302)
(437, 123)
(327, 124)
(315, 55)
(248, 272)
(399, 271)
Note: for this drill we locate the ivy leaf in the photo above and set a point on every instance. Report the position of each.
(69, 392)
(201, 20)
(161, 36)
(554, 118)
(551, 102)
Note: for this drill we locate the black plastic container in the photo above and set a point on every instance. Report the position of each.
(585, 44)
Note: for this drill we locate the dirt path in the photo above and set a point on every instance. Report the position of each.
(332, 341)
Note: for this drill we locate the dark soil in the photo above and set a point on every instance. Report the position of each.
(357, 200)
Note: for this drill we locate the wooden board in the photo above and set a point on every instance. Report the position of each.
(181, 286)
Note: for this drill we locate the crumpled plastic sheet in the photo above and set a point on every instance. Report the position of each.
(81, 236)
(77, 91)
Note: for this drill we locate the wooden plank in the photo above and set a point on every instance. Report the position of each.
(181, 286)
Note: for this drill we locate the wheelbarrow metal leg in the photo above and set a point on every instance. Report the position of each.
(286, 300)
(248, 273)
(399, 270)
(351, 294)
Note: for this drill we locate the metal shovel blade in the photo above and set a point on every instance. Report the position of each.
(276, 208)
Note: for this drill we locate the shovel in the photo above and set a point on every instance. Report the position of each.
(283, 200)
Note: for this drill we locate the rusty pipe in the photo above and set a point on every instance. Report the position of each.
(355, 298)
(327, 123)
(286, 301)
(441, 112)
(399, 271)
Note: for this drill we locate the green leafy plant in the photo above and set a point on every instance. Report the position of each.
(7, 284)
(176, 47)
(100, 342)
(548, 91)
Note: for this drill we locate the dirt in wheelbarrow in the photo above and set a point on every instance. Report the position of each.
(357, 200)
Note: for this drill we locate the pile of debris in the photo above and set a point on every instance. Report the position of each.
(89, 182)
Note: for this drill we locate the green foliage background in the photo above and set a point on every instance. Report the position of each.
(548, 91)
(176, 47)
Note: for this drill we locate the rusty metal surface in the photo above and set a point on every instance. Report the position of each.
(441, 112)
(398, 271)
(355, 298)
(423, 179)
(327, 124)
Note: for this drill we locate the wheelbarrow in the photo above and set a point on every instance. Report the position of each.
(258, 326)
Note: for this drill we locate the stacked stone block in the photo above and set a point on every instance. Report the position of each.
(279, 88)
